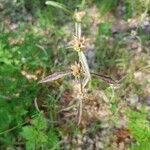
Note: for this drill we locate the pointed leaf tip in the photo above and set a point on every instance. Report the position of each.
(54, 76)
(60, 6)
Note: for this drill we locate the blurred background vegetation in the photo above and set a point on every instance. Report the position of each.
(33, 41)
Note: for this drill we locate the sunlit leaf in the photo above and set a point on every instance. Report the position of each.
(60, 6)
(55, 76)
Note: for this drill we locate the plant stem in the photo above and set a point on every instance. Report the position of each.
(80, 110)
(85, 67)
(13, 128)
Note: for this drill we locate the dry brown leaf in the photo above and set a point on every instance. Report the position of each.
(55, 76)
(122, 135)
(105, 78)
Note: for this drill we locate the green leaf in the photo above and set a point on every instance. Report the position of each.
(29, 133)
(4, 120)
(106, 5)
(5, 116)
(139, 126)
(53, 139)
(104, 28)
(33, 137)
(30, 145)
(42, 138)
(40, 122)
(60, 6)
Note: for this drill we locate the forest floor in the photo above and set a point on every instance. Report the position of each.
(115, 116)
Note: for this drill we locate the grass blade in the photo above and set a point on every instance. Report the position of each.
(60, 6)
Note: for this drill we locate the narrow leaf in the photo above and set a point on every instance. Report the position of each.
(60, 6)
(85, 68)
(54, 76)
(105, 78)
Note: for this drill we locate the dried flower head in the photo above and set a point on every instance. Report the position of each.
(79, 15)
(76, 69)
(78, 44)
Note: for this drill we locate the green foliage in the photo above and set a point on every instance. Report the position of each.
(104, 29)
(35, 134)
(106, 5)
(110, 54)
(143, 146)
(45, 18)
(136, 7)
(53, 139)
(34, 5)
(36, 45)
(38, 135)
(59, 5)
(4, 119)
(139, 128)
(96, 127)
(94, 84)
(16, 91)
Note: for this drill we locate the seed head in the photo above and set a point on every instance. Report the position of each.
(76, 69)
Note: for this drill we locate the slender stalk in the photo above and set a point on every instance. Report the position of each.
(79, 30)
(80, 102)
(13, 128)
(76, 29)
(85, 67)
(80, 110)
